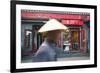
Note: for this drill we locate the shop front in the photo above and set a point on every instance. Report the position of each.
(73, 40)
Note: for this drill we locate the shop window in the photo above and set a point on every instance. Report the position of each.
(27, 37)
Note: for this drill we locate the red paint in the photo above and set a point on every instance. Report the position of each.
(82, 30)
(88, 18)
(50, 15)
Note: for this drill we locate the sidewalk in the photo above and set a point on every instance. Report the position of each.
(74, 58)
(66, 56)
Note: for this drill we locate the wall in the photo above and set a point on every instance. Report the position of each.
(5, 37)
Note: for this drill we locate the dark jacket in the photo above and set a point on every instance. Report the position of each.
(46, 52)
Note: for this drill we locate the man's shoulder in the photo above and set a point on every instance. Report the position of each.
(44, 48)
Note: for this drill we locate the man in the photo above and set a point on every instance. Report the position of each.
(48, 50)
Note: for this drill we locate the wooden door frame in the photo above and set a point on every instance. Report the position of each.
(78, 30)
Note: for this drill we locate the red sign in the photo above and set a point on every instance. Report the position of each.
(50, 15)
(72, 22)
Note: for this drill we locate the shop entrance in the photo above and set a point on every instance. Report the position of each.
(71, 40)
(75, 38)
(37, 38)
(32, 39)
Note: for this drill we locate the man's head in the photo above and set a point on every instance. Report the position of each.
(53, 35)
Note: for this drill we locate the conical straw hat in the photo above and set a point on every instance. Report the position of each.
(51, 25)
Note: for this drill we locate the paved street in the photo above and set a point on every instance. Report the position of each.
(65, 56)
(61, 59)
(73, 58)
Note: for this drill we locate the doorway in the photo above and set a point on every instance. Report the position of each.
(75, 39)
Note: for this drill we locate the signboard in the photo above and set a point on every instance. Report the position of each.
(72, 22)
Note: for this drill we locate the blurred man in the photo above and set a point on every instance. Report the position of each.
(48, 50)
